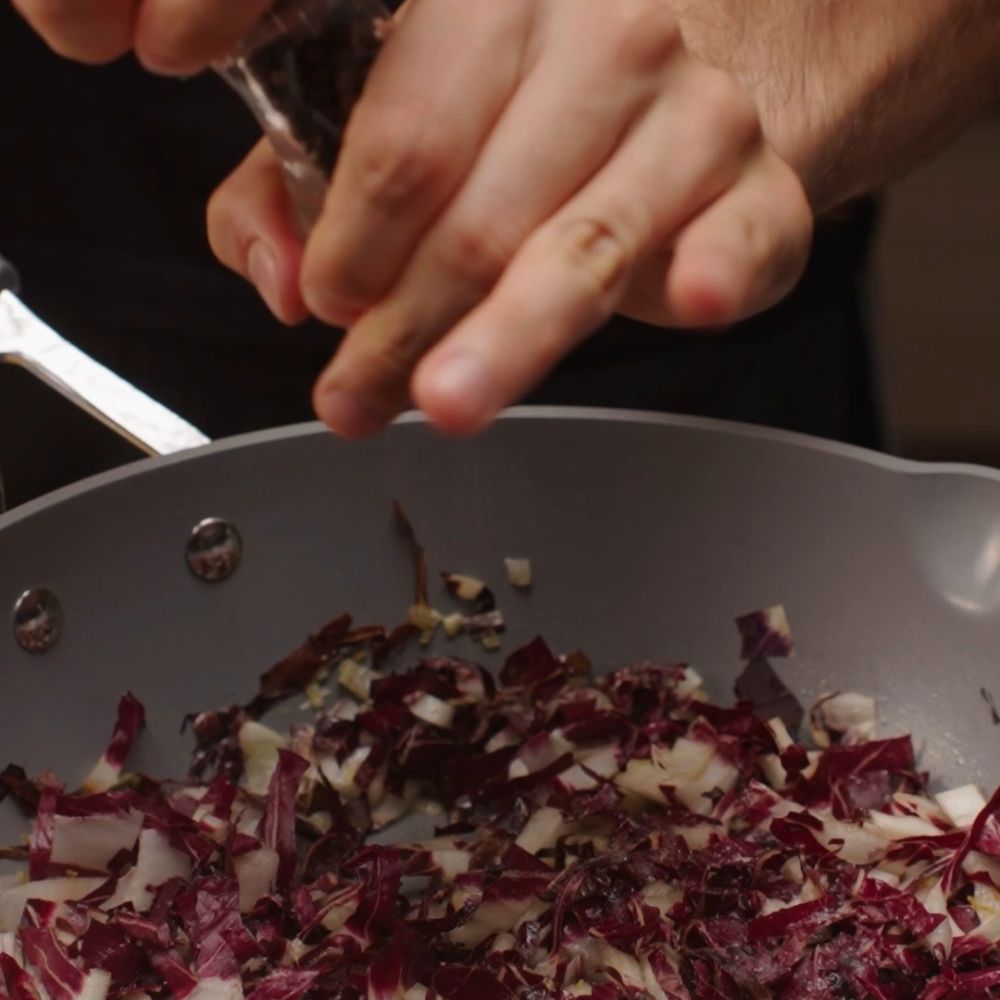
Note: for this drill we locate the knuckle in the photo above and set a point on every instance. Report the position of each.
(333, 288)
(328, 304)
(729, 108)
(93, 39)
(394, 163)
(178, 37)
(643, 35)
(166, 55)
(173, 42)
(220, 213)
(598, 251)
(390, 363)
(476, 252)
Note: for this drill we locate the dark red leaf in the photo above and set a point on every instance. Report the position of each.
(459, 982)
(765, 633)
(277, 827)
(128, 725)
(285, 984)
(47, 957)
(760, 685)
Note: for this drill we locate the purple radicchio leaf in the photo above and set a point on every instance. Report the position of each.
(765, 634)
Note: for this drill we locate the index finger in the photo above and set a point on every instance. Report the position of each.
(184, 36)
(169, 36)
(434, 94)
(90, 31)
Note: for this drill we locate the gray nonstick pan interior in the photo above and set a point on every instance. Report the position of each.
(648, 536)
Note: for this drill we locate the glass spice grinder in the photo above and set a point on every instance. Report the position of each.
(301, 70)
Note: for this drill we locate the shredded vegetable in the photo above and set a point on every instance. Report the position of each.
(614, 837)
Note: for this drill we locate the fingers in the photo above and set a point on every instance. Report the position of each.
(637, 199)
(90, 31)
(251, 232)
(182, 37)
(571, 132)
(435, 93)
(506, 345)
(169, 36)
(571, 274)
(743, 254)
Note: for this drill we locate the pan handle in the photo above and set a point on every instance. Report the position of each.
(26, 341)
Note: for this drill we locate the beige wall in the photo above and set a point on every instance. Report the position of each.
(939, 285)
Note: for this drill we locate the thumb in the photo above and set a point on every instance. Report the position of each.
(250, 230)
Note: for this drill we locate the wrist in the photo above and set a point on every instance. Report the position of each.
(853, 93)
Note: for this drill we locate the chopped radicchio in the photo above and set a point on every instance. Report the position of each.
(843, 718)
(15, 783)
(131, 719)
(992, 705)
(618, 838)
(760, 685)
(765, 633)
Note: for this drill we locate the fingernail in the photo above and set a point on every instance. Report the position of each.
(262, 267)
(463, 386)
(348, 415)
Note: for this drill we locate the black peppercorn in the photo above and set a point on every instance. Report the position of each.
(315, 81)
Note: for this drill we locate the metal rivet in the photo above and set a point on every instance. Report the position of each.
(214, 550)
(37, 620)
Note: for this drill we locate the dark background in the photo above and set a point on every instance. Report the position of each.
(939, 317)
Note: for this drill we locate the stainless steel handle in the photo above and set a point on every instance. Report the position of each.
(25, 340)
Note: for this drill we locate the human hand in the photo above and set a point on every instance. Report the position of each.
(179, 37)
(512, 175)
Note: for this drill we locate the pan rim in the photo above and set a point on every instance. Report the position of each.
(889, 463)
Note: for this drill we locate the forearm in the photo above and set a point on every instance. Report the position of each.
(853, 92)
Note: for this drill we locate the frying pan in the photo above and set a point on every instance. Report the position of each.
(648, 535)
